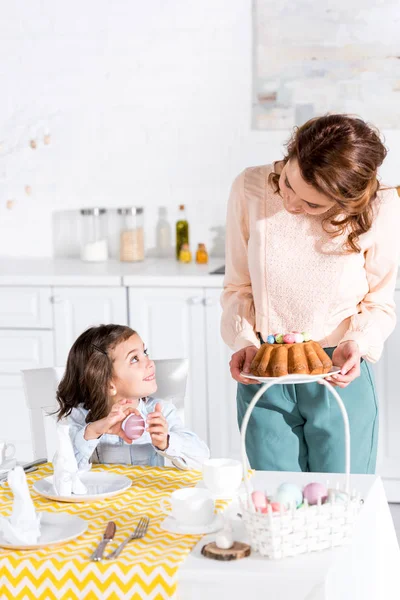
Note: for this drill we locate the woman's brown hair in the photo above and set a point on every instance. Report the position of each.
(88, 372)
(339, 156)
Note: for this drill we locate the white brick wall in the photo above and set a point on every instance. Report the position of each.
(153, 102)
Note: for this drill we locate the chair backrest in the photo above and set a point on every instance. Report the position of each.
(40, 392)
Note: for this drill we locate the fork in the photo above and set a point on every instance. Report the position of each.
(140, 531)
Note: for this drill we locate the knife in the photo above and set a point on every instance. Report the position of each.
(34, 463)
(27, 467)
(107, 537)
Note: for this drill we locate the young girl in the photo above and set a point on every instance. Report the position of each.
(109, 375)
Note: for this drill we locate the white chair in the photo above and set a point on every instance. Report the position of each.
(40, 392)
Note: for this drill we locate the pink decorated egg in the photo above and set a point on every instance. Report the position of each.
(288, 338)
(259, 500)
(315, 492)
(133, 426)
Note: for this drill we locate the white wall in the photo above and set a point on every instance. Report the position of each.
(151, 105)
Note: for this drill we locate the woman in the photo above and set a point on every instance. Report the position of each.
(312, 245)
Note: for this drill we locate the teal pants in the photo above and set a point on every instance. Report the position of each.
(300, 427)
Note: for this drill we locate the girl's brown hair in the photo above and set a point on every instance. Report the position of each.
(88, 372)
(339, 156)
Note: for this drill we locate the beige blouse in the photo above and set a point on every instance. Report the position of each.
(285, 273)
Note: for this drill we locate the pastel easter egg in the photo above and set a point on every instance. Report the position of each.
(277, 507)
(292, 491)
(298, 338)
(337, 496)
(279, 338)
(315, 492)
(306, 336)
(271, 339)
(288, 338)
(259, 500)
(133, 426)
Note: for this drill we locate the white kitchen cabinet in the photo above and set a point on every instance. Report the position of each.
(77, 308)
(20, 349)
(387, 380)
(25, 307)
(224, 437)
(171, 322)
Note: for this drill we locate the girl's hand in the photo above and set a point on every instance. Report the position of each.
(157, 427)
(241, 361)
(347, 356)
(112, 422)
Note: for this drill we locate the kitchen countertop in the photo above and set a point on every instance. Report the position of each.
(152, 272)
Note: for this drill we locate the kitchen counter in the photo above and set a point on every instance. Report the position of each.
(152, 272)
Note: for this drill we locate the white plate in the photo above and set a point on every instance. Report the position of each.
(239, 492)
(55, 528)
(170, 524)
(99, 485)
(286, 379)
(7, 465)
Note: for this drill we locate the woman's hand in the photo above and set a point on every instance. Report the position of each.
(112, 422)
(157, 426)
(347, 356)
(240, 362)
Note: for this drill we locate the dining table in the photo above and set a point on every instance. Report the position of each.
(163, 564)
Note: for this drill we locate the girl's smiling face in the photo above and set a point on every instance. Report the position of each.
(133, 370)
(298, 196)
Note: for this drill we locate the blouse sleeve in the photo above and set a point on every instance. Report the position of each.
(376, 317)
(185, 449)
(83, 449)
(238, 313)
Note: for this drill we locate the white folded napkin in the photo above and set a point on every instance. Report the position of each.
(23, 526)
(66, 479)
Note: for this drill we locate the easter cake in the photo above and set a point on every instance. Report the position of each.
(290, 354)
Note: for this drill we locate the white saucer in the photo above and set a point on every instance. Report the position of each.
(239, 492)
(7, 465)
(55, 528)
(99, 485)
(170, 524)
(285, 379)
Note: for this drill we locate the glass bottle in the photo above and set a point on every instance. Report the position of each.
(185, 256)
(201, 255)
(163, 233)
(94, 245)
(131, 237)
(182, 230)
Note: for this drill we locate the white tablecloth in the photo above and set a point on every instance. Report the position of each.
(366, 569)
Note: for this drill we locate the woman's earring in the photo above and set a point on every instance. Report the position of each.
(113, 392)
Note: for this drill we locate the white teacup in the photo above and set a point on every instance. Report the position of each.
(222, 476)
(190, 506)
(7, 451)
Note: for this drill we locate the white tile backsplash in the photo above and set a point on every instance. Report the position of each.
(149, 103)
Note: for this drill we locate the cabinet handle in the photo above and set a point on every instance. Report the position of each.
(56, 299)
(209, 302)
(196, 300)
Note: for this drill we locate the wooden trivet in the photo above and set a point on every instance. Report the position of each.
(238, 550)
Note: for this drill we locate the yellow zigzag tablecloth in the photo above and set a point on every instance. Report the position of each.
(147, 568)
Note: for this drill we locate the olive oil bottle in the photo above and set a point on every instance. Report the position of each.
(182, 230)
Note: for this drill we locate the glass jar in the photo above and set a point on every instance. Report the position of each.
(94, 245)
(131, 238)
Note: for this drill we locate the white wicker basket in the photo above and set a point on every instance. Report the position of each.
(307, 529)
